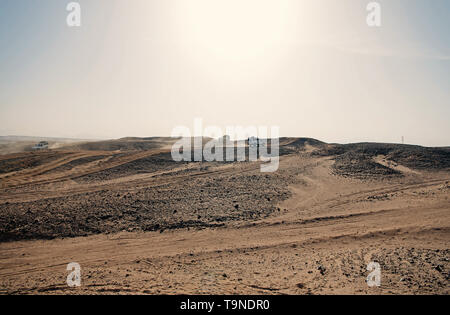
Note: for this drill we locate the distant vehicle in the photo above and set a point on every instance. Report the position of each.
(256, 142)
(41, 146)
(253, 142)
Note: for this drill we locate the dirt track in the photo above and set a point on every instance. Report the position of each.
(222, 228)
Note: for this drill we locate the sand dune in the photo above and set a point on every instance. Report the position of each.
(139, 223)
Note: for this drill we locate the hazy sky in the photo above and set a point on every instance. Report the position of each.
(143, 67)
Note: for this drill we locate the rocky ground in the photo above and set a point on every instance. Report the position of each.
(138, 222)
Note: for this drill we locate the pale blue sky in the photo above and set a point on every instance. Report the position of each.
(143, 67)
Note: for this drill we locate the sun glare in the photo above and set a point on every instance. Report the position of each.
(237, 30)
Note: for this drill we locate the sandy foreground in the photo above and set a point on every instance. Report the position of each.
(214, 228)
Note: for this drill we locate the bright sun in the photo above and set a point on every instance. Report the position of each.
(237, 30)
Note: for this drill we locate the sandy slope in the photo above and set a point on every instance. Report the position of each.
(319, 239)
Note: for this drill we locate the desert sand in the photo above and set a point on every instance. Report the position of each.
(139, 223)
